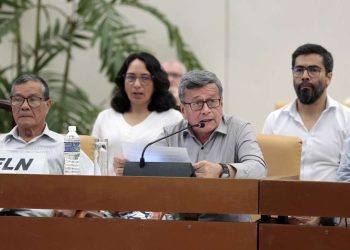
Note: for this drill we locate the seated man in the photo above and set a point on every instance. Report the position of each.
(175, 70)
(321, 122)
(225, 148)
(30, 101)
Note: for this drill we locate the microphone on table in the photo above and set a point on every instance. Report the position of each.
(142, 159)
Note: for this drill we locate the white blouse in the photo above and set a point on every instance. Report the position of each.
(112, 125)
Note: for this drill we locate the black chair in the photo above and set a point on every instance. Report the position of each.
(6, 105)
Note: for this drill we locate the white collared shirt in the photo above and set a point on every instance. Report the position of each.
(322, 145)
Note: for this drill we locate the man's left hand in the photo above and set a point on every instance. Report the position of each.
(206, 169)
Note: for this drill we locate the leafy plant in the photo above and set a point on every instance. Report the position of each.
(57, 34)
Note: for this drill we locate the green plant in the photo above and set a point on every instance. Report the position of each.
(57, 33)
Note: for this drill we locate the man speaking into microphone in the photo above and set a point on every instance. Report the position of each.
(225, 147)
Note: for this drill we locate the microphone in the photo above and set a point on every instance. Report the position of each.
(142, 159)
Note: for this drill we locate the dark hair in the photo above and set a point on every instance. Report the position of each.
(309, 48)
(161, 100)
(28, 77)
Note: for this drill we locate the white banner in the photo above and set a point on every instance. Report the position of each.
(23, 162)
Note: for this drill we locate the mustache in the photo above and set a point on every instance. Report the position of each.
(305, 84)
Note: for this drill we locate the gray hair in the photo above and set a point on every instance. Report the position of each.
(197, 79)
(27, 78)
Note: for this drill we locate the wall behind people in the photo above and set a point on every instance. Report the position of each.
(248, 44)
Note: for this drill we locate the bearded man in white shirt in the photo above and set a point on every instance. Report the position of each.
(321, 122)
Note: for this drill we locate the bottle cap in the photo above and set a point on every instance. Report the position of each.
(72, 128)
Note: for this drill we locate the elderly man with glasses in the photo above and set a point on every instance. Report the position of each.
(226, 147)
(321, 122)
(31, 138)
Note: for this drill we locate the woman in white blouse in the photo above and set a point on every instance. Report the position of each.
(141, 106)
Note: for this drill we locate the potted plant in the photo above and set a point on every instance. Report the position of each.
(56, 33)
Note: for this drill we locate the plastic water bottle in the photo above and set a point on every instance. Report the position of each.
(71, 152)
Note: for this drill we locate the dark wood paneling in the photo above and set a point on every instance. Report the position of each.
(304, 198)
(125, 193)
(290, 237)
(60, 233)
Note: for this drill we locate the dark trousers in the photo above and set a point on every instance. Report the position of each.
(8, 212)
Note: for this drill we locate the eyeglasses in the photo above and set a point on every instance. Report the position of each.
(313, 71)
(144, 79)
(33, 101)
(211, 103)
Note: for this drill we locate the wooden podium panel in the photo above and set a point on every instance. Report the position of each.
(63, 233)
(304, 198)
(129, 193)
(192, 195)
(291, 237)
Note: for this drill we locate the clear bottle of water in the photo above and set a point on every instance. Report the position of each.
(71, 152)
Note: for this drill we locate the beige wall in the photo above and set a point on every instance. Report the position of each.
(248, 44)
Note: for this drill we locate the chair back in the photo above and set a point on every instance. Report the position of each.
(281, 153)
(280, 104)
(5, 104)
(87, 143)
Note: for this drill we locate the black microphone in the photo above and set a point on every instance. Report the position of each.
(142, 159)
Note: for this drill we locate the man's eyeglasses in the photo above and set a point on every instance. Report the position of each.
(33, 101)
(211, 103)
(144, 79)
(313, 71)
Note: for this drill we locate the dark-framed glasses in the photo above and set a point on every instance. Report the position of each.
(144, 79)
(313, 71)
(33, 101)
(198, 105)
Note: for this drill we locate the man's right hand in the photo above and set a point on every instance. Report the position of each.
(118, 165)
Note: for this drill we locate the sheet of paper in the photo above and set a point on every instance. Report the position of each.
(154, 153)
(23, 162)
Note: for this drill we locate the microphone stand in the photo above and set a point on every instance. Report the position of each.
(170, 169)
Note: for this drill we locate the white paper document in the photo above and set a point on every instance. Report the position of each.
(132, 152)
(23, 162)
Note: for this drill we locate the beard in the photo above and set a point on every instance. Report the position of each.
(308, 93)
